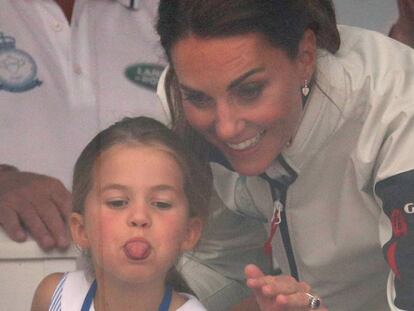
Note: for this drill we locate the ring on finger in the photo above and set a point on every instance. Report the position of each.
(314, 302)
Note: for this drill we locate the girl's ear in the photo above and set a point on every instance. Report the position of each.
(77, 229)
(195, 227)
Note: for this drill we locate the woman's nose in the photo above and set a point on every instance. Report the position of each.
(228, 123)
(139, 216)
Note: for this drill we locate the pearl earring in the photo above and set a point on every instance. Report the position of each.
(305, 88)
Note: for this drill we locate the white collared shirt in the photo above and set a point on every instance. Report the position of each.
(71, 79)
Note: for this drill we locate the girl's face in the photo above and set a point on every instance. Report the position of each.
(242, 94)
(136, 220)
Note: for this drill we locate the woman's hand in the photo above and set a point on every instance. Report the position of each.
(278, 293)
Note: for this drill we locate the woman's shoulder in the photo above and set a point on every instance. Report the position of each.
(361, 50)
(366, 67)
(45, 290)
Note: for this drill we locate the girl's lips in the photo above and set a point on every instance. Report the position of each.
(248, 143)
(137, 249)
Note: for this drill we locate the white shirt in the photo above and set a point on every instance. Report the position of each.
(71, 79)
(71, 291)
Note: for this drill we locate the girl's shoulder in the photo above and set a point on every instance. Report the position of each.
(192, 304)
(44, 292)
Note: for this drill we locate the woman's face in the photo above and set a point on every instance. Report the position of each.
(242, 94)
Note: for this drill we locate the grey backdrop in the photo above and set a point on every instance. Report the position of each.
(377, 15)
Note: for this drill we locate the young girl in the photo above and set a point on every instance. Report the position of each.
(139, 200)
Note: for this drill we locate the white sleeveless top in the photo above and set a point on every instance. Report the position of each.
(73, 287)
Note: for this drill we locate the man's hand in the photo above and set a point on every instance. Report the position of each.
(36, 203)
(403, 29)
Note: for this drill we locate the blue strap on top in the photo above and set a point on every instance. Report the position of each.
(89, 297)
(166, 300)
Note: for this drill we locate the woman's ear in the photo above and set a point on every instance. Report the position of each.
(78, 231)
(307, 51)
(193, 234)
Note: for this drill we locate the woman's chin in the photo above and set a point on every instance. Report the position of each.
(249, 168)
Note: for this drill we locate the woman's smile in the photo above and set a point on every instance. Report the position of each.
(248, 143)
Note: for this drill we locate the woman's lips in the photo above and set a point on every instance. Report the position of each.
(248, 143)
(137, 249)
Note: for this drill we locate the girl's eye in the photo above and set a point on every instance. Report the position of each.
(117, 203)
(197, 99)
(250, 91)
(161, 204)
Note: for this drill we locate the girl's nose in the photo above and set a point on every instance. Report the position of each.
(139, 216)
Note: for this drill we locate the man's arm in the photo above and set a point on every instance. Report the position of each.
(35, 204)
(403, 29)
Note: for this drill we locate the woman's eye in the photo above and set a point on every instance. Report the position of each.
(161, 204)
(118, 203)
(250, 91)
(198, 100)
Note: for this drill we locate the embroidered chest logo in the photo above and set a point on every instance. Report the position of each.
(145, 75)
(409, 208)
(17, 68)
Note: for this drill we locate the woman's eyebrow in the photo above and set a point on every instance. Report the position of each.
(232, 84)
(188, 89)
(243, 77)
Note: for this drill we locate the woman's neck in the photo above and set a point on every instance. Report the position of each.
(114, 295)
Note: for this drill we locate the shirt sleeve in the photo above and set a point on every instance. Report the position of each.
(397, 196)
(388, 143)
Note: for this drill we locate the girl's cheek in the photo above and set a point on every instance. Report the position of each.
(102, 227)
(107, 225)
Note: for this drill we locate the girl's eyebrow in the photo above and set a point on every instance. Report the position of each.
(160, 187)
(113, 187)
(164, 187)
(233, 84)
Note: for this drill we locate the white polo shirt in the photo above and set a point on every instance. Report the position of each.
(59, 85)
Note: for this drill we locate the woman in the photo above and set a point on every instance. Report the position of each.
(318, 125)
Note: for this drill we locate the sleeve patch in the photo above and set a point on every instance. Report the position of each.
(397, 196)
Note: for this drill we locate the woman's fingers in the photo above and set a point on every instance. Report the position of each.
(277, 293)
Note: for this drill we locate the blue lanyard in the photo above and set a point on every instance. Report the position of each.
(166, 300)
(89, 297)
(164, 306)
